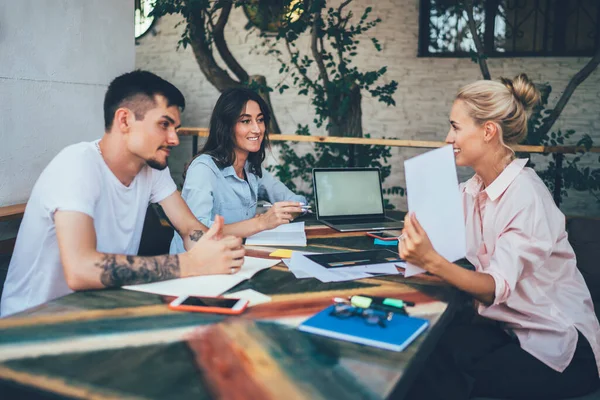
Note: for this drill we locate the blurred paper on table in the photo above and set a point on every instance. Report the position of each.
(254, 298)
(298, 273)
(433, 195)
(207, 285)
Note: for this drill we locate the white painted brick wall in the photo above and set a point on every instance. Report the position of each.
(426, 86)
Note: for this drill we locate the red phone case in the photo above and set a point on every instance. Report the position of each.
(216, 310)
(382, 238)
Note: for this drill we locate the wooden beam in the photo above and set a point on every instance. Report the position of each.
(203, 132)
(12, 212)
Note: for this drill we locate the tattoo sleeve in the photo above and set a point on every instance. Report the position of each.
(120, 270)
(196, 235)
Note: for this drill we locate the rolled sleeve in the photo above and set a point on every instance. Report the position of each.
(198, 192)
(522, 247)
(162, 185)
(274, 190)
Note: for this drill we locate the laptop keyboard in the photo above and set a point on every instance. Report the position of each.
(370, 225)
(350, 226)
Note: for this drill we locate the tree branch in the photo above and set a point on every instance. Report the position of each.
(217, 76)
(295, 63)
(338, 38)
(575, 81)
(315, 51)
(478, 45)
(341, 7)
(221, 44)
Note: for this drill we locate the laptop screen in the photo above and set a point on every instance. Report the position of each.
(348, 192)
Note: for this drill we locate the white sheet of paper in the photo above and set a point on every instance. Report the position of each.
(299, 262)
(284, 235)
(210, 286)
(433, 195)
(383, 268)
(298, 273)
(254, 298)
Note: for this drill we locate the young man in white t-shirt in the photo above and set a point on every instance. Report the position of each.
(83, 222)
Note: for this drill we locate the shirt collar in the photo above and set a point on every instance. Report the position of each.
(500, 184)
(230, 171)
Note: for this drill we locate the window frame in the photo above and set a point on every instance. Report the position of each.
(423, 44)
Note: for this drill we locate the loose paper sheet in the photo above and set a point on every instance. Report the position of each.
(304, 266)
(284, 235)
(433, 195)
(210, 285)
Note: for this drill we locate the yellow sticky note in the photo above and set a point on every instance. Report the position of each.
(283, 253)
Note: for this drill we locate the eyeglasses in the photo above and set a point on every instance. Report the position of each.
(370, 316)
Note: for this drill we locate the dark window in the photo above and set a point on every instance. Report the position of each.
(510, 27)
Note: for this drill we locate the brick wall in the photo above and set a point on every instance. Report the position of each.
(426, 86)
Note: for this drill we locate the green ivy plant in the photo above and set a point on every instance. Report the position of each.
(574, 175)
(335, 42)
(334, 85)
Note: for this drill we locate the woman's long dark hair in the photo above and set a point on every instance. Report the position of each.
(221, 137)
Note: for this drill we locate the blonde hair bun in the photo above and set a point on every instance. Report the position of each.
(524, 91)
(508, 103)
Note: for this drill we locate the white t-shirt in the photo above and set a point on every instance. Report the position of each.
(77, 179)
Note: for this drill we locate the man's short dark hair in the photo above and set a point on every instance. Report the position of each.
(136, 91)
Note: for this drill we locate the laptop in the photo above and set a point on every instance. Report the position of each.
(351, 199)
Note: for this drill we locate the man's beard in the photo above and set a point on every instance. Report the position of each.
(155, 164)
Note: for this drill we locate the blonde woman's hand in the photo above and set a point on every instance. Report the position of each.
(414, 245)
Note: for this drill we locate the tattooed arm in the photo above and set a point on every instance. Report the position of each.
(86, 268)
(182, 218)
(119, 270)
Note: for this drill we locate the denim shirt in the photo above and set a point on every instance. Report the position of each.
(210, 191)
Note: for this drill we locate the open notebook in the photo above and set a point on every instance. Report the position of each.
(211, 285)
(284, 235)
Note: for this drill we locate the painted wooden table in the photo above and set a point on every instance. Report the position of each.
(124, 344)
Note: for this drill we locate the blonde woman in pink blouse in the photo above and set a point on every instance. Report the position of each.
(536, 335)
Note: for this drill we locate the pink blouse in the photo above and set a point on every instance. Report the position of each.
(516, 234)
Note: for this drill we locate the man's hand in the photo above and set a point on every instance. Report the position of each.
(282, 212)
(214, 253)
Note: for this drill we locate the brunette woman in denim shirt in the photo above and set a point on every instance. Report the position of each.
(227, 177)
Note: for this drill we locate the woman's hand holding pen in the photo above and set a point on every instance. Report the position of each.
(280, 213)
(414, 245)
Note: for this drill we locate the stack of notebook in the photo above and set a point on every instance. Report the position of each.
(396, 335)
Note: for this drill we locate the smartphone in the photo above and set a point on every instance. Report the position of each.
(218, 305)
(382, 235)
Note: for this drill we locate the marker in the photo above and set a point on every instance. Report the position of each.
(364, 301)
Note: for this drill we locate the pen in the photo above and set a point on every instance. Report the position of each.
(304, 208)
(271, 205)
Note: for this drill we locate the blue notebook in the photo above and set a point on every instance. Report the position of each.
(398, 333)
